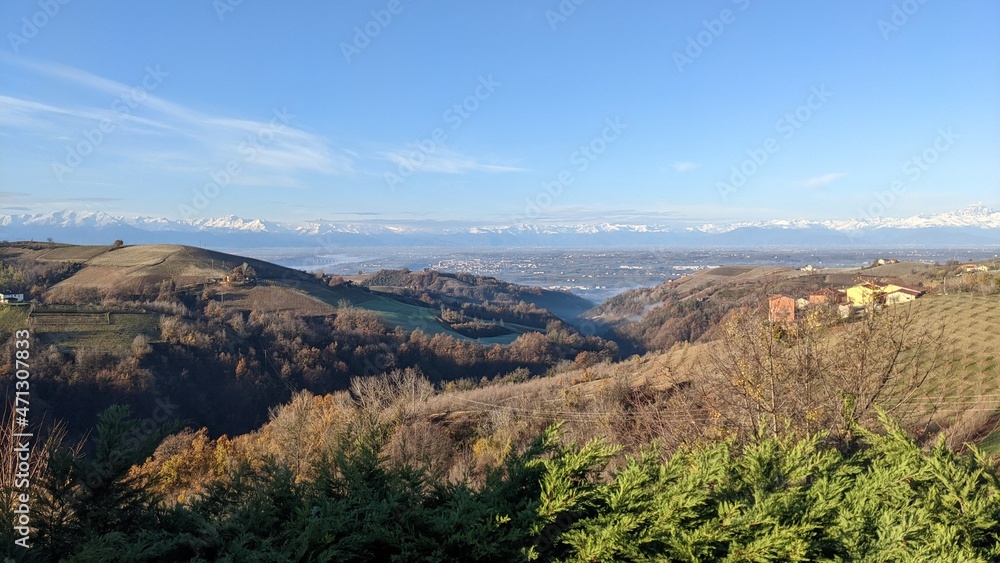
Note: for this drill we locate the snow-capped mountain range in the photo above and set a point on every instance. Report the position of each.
(970, 226)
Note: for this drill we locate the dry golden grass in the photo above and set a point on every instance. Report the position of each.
(133, 267)
(591, 401)
(270, 298)
(71, 253)
(136, 256)
(909, 272)
(961, 398)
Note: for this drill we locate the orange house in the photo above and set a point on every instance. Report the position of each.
(781, 308)
(828, 295)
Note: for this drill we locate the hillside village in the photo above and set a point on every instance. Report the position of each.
(852, 300)
(883, 283)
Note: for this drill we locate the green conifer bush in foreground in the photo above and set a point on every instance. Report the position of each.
(878, 498)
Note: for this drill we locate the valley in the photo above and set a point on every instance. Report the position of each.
(454, 374)
(596, 274)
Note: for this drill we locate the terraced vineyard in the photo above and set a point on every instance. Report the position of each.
(89, 328)
(72, 253)
(967, 391)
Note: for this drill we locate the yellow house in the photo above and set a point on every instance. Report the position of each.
(902, 295)
(865, 294)
(869, 292)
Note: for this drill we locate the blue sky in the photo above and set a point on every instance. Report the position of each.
(496, 112)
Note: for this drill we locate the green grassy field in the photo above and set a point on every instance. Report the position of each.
(12, 318)
(396, 313)
(92, 330)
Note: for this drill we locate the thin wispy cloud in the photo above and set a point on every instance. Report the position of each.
(817, 182)
(15, 112)
(684, 166)
(443, 161)
(157, 131)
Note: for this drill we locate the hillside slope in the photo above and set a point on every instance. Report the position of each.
(143, 269)
(687, 309)
(137, 324)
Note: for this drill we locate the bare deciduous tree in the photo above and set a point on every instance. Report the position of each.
(815, 374)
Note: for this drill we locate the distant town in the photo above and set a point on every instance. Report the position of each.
(598, 274)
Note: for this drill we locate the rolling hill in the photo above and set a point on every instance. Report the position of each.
(670, 316)
(134, 324)
(687, 308)
(960, 399)
(145, 268)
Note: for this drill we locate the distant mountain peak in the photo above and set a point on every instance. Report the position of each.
(972, 224)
